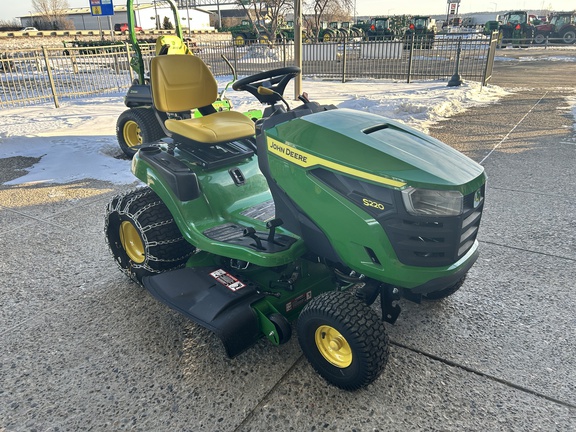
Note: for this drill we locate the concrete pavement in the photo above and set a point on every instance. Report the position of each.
(82, 348)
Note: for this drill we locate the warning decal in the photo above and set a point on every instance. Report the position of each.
(299, 301)
(227, 280)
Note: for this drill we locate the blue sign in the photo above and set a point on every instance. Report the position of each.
(101, 7)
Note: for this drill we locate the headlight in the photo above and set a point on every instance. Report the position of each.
(426, 202)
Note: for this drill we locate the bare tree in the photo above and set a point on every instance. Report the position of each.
(265, 15)
(318, 10)
(52, 14)
(6, 25)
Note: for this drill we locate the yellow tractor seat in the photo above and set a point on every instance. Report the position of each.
(171, 44)
(183, 82)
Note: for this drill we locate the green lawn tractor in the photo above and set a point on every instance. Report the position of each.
(140, 124)
(309, 215)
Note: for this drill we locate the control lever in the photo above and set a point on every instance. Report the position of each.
(304, 97)
(271, 225)
(251, 232)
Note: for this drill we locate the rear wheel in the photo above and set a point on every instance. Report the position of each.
(343, 339)
(143, 236)
(137, 126)
(240, 40)
(569, 36)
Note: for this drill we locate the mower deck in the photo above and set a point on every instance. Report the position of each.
(214, 299)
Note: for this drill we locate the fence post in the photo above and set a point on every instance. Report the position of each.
(410, 55)
(50, 77)
(490, 58)
(456, 79)
(284, 51)
(344, 60)
(72, 55)
(235, 56)
(127, 46)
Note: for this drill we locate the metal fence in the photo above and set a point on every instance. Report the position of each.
(34, 76)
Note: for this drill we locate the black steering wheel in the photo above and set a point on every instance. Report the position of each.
(275, 79)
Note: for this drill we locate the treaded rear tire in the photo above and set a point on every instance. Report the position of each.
(137, 126)
(365, 351)
(161, 243)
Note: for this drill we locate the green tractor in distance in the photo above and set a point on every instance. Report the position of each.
(329, 32)
(350, 31)
(422, 31)
(516, 29)
(380, 28)
(246, 33)
(286, 32)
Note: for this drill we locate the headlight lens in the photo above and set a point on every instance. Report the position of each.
(426, 202)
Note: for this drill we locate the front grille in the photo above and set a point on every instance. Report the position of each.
(433, 241)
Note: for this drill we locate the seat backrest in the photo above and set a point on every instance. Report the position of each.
(181, 83)
(171, 44)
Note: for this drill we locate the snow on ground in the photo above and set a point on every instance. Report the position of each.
(78, 140)
(550, 58)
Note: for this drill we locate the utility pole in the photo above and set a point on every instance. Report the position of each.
(298, 46)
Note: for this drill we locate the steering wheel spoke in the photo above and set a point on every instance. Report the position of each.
(275, 79)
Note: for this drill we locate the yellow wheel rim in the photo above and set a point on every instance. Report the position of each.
(333, 346)
(264, 39)
(326, 38)
(239, 41)
(131, 242)
(132, 134)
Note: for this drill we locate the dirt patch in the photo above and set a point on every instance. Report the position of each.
(13, 167)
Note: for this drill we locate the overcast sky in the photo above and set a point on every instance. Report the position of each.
(11, 9)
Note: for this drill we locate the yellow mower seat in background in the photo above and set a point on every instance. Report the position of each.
(171, 44)
(184, 82)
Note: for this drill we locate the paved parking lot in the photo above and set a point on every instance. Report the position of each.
(82, 348)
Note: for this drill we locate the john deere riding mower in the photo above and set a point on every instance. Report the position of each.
(310, 215)
(140, 124)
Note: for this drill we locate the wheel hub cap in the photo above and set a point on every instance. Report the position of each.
(132, 134)
(333, 346)
(131, 242)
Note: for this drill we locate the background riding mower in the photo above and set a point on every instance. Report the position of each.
(325, 211)
(140, 124)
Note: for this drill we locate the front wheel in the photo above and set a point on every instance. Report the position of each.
(142, 235)
(137, 126)
(540, 38)
(343, 339)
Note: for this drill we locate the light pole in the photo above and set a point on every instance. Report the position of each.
(188, 15)
(155, 16)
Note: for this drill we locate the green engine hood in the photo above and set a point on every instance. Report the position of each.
(381, 147)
